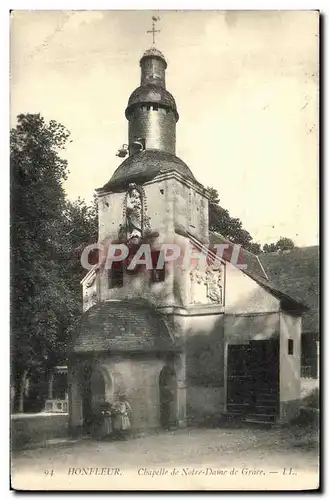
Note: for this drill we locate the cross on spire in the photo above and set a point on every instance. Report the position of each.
(153, 30)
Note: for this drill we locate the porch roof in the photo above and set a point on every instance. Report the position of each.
(122, 326)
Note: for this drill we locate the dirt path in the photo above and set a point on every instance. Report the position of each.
(278, 452)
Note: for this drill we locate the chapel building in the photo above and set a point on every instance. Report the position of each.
(184, 345)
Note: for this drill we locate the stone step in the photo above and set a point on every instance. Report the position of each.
(260, 418)
(259, 409)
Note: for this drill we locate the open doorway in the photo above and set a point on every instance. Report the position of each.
(87, 414)
(97, 385)
(253, 378)
(167, 387)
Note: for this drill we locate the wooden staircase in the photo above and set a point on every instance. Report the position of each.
(264, 410)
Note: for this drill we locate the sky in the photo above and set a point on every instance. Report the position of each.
(246, 88)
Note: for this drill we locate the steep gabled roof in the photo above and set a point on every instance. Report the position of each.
(251, 260)
(254, 268)
(297, 272)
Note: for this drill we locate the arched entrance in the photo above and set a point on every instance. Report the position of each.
(97, 384)
(87, 414)
(97, 387)
(167, 387)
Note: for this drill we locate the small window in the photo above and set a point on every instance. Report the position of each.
(115, 275)
(157, 275)
(290, 347)
(155, 107)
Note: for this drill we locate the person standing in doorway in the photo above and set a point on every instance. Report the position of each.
(106, 425)
(122, 415)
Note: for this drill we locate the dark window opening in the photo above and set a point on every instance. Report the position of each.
(309, 361)
(157, 275)
(155, 107)
(115, 275)
(290, 347)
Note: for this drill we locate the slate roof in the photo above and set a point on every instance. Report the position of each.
(251, 260)
(152, 94)
(296, 272)
(256, 271)
(153, 52)
(144, 166)
(122, 326)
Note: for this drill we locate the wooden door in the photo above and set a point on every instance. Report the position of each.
(239, 379)
(264, 370)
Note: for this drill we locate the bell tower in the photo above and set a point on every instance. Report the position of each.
(152, 184)
(151, 112)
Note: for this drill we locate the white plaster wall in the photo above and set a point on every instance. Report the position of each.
(290, 384)
(204, 403)
(204, 346)
(205, 324)
(240, 329)
(244, 295)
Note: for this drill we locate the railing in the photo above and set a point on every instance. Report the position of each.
(56, 406)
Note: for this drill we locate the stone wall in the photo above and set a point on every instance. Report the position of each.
(35, 429)
(204, 344)
(290, 382)
(135, 375)
(244, 295)
(205, 405)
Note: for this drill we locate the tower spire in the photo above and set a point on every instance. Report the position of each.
(153, 30)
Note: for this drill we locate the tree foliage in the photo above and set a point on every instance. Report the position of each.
(231, 228)
(46, 229)
(280, 245)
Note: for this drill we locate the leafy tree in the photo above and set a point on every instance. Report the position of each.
(229, 227)
(48, 233)
(79, 228)
(38, 291)
(269, 247)
(281, 244)
(285, 244)
(255, 248)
